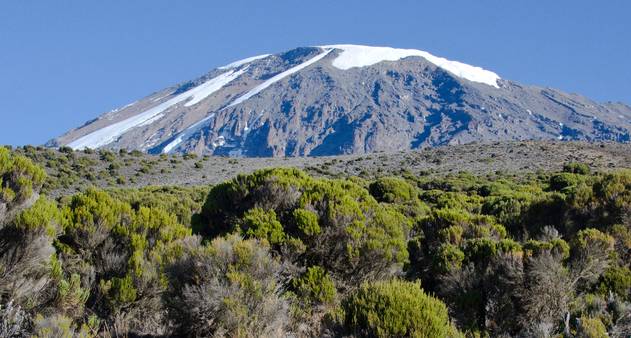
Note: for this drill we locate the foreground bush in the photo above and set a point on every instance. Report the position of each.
(228, 288)
(287, 254)
(396, 309)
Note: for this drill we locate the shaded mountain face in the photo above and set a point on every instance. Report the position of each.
(346, 99)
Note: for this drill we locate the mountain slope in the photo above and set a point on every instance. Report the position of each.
(344, 99)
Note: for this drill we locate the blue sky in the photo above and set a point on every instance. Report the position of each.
(64, 62)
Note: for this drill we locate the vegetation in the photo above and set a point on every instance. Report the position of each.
(281, 253)
(396, 309)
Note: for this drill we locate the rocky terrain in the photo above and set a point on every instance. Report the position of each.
(73, 171)
(346, 99)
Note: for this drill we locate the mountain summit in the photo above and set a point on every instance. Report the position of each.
(342, 99)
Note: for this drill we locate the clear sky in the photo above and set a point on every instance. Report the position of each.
(67, 61)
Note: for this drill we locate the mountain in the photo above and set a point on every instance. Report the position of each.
(346, 99)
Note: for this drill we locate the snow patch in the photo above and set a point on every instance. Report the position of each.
(361, 56)
(239, 63)
(187, 133)
(202, 91)
(219, 142)
(279, 77)
(110, 133)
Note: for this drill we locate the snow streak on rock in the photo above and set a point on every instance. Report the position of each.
(110, 133)
(279, 77)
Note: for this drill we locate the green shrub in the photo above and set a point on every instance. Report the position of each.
(228, 288)
(189, 156)
(113, 167)
(591, 328)
(44, 214)
(183, 202)
(448, 257)
(121, 180)
(71, 297)
(618, 280)
(395, 309)
(316, 286)
(122, 252)
(351, 224)
(27, 256)
(576, 168)
(588, 239)
(392, 190)
(66, 149)
(306, 221)
(557, 247)
(480, 249)
(20, 178)
(263, 224)
(120, 291)
(107, 155)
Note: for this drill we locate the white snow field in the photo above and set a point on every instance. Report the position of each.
(109, 134)
(361, 56)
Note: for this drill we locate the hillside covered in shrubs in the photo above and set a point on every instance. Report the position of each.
(281, 253)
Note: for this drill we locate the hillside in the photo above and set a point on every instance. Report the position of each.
(424, 249)
(72, 171)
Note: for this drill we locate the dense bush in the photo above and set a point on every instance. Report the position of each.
(228, 288)
(335, 224)
(120, 254)
(27, 261)
(396, 309)
(281, 253)
(392, 190)
(576, 168)
(20, 179)
(316, 286)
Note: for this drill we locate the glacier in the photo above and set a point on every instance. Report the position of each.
(353, 56)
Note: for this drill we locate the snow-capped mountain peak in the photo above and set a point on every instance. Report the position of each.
(335, 99)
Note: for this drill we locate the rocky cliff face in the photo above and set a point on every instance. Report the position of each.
(347, 99)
